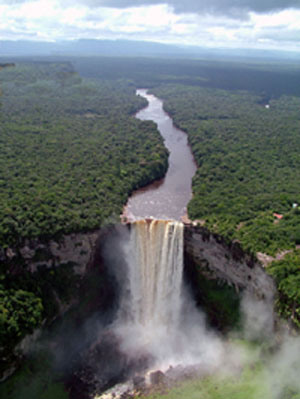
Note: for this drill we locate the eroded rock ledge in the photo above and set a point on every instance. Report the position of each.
(219, 260)
(205, 253)
(76, 248)
(209, 252)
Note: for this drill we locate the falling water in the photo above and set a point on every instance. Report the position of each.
(158, 326)
(158, 318)
(150, 313)
(155, 274)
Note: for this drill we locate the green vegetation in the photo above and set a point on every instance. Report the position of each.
(249, 172)
(20, 312)
(249, 385)
(251, 372)
(34, 380)
(26, 299)
(220, 303)
(247, 154)
(70, 154)
(286, 273)
(70, 151)
(248, 161)
(269, 78)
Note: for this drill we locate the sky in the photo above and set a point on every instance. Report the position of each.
(269, 24)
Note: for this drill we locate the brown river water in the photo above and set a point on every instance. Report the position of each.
(166, 198)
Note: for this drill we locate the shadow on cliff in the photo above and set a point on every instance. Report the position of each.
(81, 350)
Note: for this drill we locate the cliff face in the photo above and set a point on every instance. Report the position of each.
(209, 263)
(227, 262)
(218, 272)
(91, 289)
(76, 248)
(207, 253)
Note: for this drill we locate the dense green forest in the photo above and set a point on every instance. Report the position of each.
(71, 152)
(271, 79)
(247, 186)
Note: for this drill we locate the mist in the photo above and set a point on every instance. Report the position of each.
(158, 317)
(284, 368)
(152, 324)
(184, 343)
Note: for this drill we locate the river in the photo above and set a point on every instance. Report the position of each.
(167, 198)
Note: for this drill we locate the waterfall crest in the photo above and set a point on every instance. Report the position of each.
(155, 274)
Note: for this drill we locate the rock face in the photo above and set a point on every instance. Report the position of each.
(218, 260)
(209, 252)
(204, 252)
(76, 248)
(80, 251)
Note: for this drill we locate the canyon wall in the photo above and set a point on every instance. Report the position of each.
(86, 280)
(77, 248)
(205, 254)
(226, 262)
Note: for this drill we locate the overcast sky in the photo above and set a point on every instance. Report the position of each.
(273, 24)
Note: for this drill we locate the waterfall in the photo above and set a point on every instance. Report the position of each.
(158, 328)
(155, 273)
(157, 317)
(150, 312)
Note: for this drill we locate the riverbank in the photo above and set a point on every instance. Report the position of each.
(166, 198)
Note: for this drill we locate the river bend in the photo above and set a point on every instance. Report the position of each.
(167, 198)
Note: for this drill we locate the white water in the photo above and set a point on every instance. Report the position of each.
(155, 273)
(159, 326)
(157, 317)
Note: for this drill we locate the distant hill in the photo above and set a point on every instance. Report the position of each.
(90, 47)
(94, 47)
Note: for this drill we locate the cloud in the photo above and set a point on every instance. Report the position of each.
(12, 2)
(227, 23)
(233, 8)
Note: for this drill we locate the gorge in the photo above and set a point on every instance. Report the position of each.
(147, 266)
